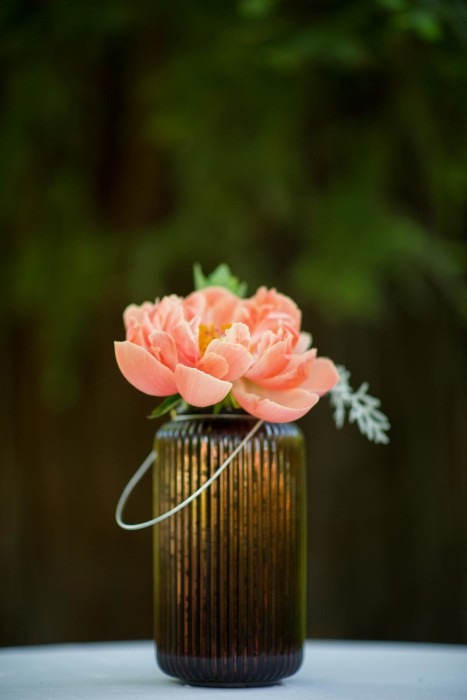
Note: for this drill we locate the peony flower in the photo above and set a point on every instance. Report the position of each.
(183, 346)
(286, 379)
(212, 343)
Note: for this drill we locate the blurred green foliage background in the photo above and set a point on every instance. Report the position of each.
(317, 147)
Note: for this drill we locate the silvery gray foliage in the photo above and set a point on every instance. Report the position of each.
(362, 408)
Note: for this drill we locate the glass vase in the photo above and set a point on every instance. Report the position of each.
(230, 568)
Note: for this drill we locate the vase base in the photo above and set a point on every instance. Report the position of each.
(234, 672)
(208, 675)
(219, 684)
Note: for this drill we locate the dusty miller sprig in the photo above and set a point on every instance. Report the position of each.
(362, 408)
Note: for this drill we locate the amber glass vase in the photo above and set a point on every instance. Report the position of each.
(230, 567)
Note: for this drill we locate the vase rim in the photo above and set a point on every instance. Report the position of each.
(228, 413)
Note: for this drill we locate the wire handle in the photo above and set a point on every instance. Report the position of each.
(138, 475)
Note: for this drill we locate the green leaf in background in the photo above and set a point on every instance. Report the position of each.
(256, 9)
(220, 277)
(167, 405)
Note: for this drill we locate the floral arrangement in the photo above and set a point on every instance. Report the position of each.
(216, 348)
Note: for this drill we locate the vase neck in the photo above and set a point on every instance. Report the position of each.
(206, 414)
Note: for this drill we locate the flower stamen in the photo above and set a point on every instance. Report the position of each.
(208, 332)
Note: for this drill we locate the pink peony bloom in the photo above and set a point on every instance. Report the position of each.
(175, 346)
(212, 342)
(285, 379)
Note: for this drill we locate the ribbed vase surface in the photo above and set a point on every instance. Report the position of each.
(229, 569)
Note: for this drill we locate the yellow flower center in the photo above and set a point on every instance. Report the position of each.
(209, 332)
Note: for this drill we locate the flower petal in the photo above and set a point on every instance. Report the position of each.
(295, 374)
(214, 305)
(164, 348)
(134, 314)
(270, 362)
(270, 302)
(143, 370)
(238, 333)
(323, 376)
(303, 343)
(199, 388)
(273, 406)
(168, 316)
(237, 357)
(213, 364)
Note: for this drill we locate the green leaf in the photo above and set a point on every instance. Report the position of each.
(217, 408)
(256, 9)
(228, 402)
(424, 24)
(167, 405)
(220, 277)
(394, 5)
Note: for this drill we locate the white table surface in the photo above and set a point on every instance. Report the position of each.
(331, 671)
